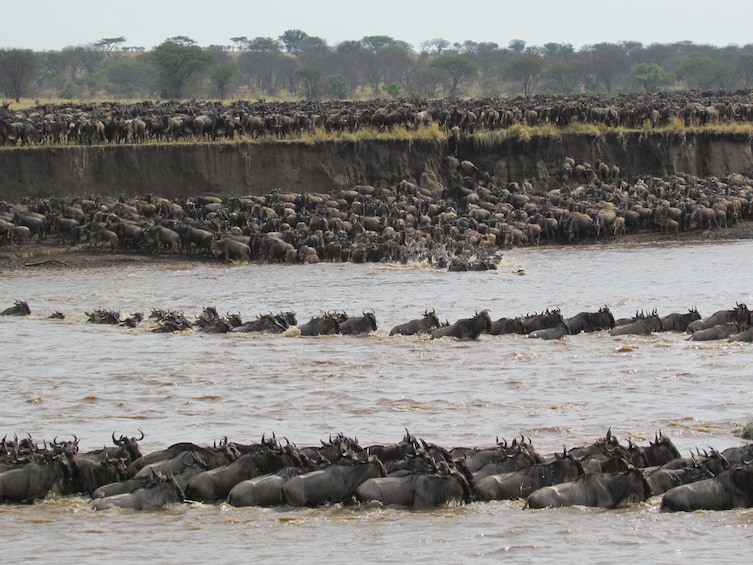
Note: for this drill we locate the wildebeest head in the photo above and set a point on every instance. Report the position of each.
(130, 444)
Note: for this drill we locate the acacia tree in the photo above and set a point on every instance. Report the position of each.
(292, 39)
(18, 67)
(107, 44)
(456, 68)
(176, 59)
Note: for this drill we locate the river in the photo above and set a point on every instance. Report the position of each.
(70, 376)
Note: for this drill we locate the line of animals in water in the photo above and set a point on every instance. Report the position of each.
(411, 473)
(733, 324)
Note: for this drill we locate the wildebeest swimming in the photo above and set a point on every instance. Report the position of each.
(547, 325)
(410, 473)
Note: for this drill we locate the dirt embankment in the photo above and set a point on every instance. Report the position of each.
(182, 170)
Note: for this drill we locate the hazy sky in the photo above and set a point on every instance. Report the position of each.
(54, 24)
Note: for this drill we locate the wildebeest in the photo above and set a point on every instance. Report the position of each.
(521, 483)
(501, 458)
(505, 326)
(662, 479)
(231, 249)
(34, 480)
(745, 335)
(418, 490)
(87, 475)
(321, 325)
(602, 490)
(557, 332)
(732, 488)
(157, 494)
(657, 452)
(358, 325)
(738, 454)
(19, 308)
(466, 328)
(739, 314)
(547, 319)
(258, 459)
(195, 237)
(720, 331)
(102, 236)
(602, 445)
(268, 323)
(216, 484)
(335, 483)
(591, 321)
(422, 325)
(642, 326)
(161, 236)
(265, 490)
(676, 322)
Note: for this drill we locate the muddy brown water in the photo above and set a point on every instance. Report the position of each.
(69, 376)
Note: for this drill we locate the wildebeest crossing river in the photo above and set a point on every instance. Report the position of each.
(68, 376)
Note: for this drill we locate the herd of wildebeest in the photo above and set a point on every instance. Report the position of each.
(114, 122)
(734, 324)
(411, 473)
(462, 228)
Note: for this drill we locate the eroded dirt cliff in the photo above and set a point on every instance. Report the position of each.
(181, 170)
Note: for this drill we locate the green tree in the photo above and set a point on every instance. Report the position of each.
(566, 75)
(435, 46)
(517, 45)
(607, 62)
(744, 68)
(649, 75)
(425, 81)
(457, 68)
(336, 87)
(177, 59)
(526, 69)
(18, 68)
(129, 76)
(292, 39)
(699, 72)
(241, 42)
(393, 89)
(311, 82)
(222, 76)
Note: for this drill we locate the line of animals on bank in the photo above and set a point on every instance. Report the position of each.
(410, 473)
(462, 227)
(733, 324)
(116, 123)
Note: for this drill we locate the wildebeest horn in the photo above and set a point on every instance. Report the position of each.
(746, 461)
(120, 441)
(142, 435)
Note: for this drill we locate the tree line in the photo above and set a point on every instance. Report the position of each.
(297, 65)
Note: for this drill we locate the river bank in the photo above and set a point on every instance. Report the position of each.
(181, 170)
